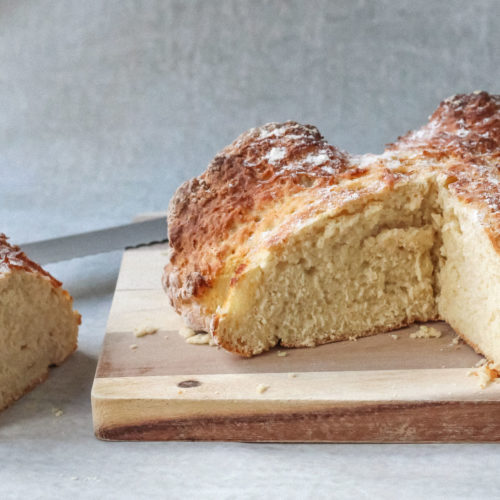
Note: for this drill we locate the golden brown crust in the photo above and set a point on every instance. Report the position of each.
(274, 178)
(212, 214)
(12, 258)
(464, 135)
(464, 125)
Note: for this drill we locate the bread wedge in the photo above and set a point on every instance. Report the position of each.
(38, 326)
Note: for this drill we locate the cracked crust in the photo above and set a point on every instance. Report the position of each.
(13, 258)
(212, 218)
(463, 134)
(274, 179)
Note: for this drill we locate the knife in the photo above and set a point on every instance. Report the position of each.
(135, 234)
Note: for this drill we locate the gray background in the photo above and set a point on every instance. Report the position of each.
(105, 107)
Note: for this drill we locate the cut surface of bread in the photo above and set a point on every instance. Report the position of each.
(286, 240)
(38, 326)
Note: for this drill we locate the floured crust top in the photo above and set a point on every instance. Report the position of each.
(272, 179)
(464, 135)
(464, 125)
(13, 258)
(212, 217)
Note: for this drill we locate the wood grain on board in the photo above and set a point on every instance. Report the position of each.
(376, 389)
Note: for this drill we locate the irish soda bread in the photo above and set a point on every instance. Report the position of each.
(38, 327)
(287, 240)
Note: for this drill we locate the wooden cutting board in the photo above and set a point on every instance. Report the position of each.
(376, 389)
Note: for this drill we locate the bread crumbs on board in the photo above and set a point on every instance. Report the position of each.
(486, 373)
(426, 332)
(261, 388)
(186, 332)
(196, 338)
(199, 339)
(145, 329)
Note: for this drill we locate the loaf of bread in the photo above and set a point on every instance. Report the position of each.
(286, 240)
(38, 327)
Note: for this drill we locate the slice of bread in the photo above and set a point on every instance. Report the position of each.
(38, 326)
(287, 240)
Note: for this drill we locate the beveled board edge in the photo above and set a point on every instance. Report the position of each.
(427, 406)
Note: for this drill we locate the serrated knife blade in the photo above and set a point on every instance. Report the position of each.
(130, 235)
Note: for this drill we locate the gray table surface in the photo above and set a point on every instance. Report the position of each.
(107, 106)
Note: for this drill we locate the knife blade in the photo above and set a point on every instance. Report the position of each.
(131, 235)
